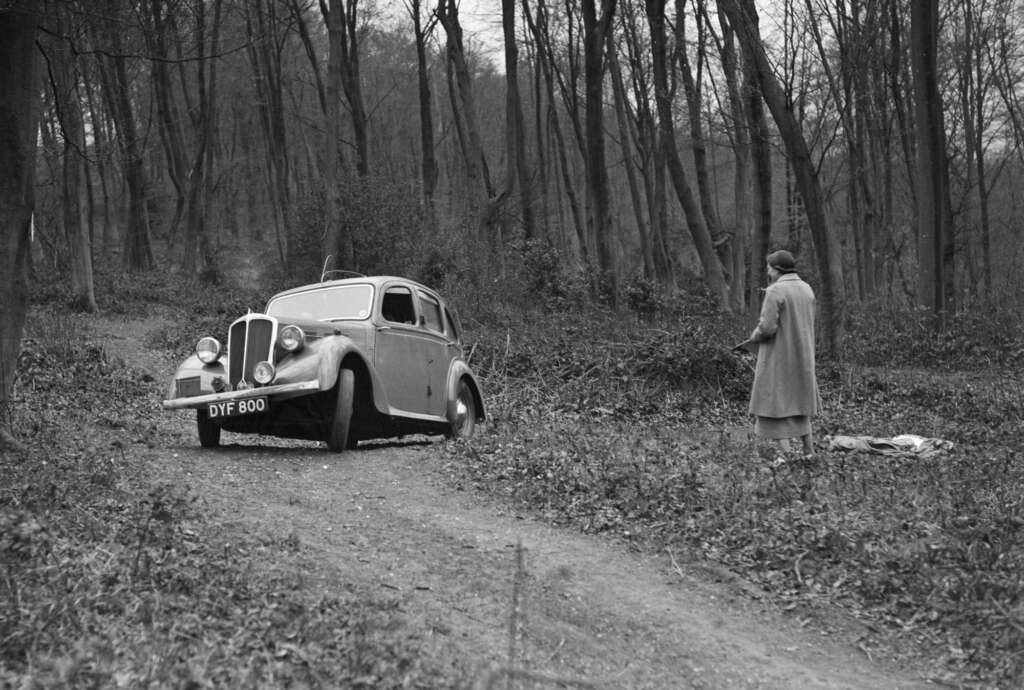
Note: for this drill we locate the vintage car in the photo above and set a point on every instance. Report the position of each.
(337, 361)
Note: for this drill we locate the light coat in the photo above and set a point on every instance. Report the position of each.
(785, 384)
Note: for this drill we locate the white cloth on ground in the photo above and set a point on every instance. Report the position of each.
(905, 444)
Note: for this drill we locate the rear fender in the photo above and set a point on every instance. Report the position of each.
(459, 371)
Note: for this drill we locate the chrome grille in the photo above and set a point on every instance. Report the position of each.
(250, 341)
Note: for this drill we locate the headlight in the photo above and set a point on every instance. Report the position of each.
(263, 373)
(291, 338)
(208, 350)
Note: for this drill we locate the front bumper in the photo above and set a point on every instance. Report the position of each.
(280, 389)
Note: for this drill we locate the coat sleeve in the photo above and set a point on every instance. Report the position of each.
(771, 312)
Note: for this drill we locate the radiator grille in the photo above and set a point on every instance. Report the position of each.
(250, 341)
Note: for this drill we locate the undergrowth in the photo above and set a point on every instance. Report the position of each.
(630, 423)
(623, 427)
(111, 579)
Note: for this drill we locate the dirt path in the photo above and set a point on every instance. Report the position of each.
(589, 609)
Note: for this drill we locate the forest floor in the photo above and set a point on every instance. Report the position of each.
(492, 591)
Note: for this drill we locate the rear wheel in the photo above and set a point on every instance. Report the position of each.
(209, 432)
(464, 423)
(341, 422)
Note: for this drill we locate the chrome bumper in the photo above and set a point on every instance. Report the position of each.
(197, 400)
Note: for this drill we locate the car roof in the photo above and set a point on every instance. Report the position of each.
(376, 281)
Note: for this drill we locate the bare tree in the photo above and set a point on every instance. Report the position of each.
(351, 79)
(337, 240)
(743, 17)
(692, 79)
(575, 242)
(518, 172)
(596, 25)
(484, 203)
(138, 243)
(428, 159)
(64, 81)
(648, 143)
(738, 128)
(935, 247)
(199, 241)
(695, 221)
(19, 88)
(623, 119)
(265, 59)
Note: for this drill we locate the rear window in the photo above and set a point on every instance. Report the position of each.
(341, 302)
(431, 311)
(454, 327)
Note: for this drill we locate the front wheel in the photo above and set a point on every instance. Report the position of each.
(464, 423)
(341, 422)
(209, 432)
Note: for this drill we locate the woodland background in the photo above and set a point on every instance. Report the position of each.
(607, 176)
(627, 142)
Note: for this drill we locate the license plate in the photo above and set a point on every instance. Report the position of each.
(235, 408)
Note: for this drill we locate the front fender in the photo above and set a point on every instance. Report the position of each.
(195, 377)
(331, 352)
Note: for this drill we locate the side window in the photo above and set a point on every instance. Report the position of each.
(431, 313)
(397, 306)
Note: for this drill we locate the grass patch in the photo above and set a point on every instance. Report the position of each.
(637, 431)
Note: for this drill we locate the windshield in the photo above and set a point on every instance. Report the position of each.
(325, 304)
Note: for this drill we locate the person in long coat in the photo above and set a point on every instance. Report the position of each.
(784, 396)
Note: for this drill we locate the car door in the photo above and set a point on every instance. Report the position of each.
(436, 350)
(402, 352)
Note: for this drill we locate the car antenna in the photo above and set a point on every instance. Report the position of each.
(323, 271)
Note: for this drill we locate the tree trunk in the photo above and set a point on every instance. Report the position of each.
(19, 89)
(351, 80)
(743, 16)
(299, 15)
(713, 274)
(483, 203)
(428, 160)
(576, 240)
(266, 67)
(69, 109)
(519, 173)
(599, 218)
(100, 144)
(200, 249)
(137, 243)
(761, 160)
(694, 106)
(648, 142)
(167, 110)
(740, 134)
(337, 240)
(931, 163)
(622, 118)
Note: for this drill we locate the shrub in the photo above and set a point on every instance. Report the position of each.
(980, 334)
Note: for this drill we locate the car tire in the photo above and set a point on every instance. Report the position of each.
(209, 432)
(341, 420)
(464, 423)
